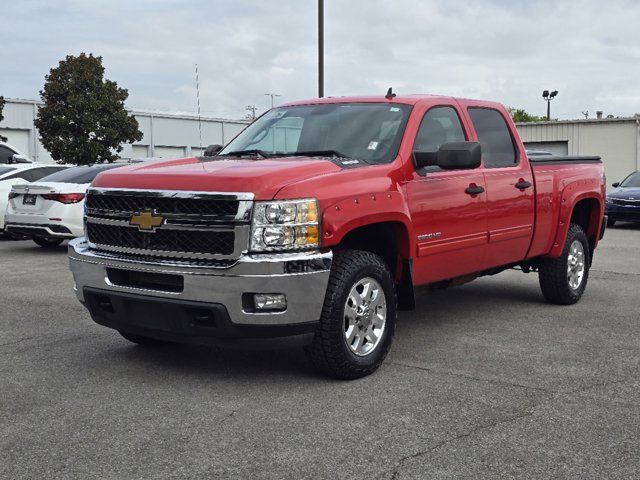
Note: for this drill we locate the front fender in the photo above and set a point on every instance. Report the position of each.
(360, 210)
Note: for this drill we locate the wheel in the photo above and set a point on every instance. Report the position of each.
(563, 280)
(358, 320)
(611, 222)
(48, 242)
(143, 341)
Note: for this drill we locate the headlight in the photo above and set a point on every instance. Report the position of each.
(608, 200)
(285, 225)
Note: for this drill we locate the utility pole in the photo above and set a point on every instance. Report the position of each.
(548, 96)
(320, 48)
(252, 112)
(272, 95)
(198, 101)
(586, 114)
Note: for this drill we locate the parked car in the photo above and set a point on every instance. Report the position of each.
(318, 220)
(13, 174)
(623, 202)
(51, 210)
(10, 154)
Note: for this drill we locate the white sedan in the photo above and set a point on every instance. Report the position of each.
(14, 174)
(52, 209)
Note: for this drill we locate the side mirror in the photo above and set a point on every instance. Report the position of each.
(212, 150)
(615, 184)
(18, 159)
(451, 156)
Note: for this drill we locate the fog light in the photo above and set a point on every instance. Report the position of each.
(270, 301)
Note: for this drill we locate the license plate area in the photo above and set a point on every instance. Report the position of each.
(29, 199)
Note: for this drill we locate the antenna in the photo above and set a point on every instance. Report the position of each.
(198, 100)
(390, 95)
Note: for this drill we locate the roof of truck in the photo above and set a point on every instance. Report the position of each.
(410, 99)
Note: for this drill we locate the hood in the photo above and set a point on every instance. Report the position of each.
(625, 193)
(262, 177)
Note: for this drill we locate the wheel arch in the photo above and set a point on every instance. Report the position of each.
(585, 209)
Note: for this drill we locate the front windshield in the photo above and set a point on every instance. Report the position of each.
(632, 181)
(365, 131)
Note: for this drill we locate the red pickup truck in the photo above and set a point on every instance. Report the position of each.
(315, 224)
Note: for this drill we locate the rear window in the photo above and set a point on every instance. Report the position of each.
(84, 174)
(4, 170)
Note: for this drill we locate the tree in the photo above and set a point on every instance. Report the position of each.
(519, 115)
(83, 119)
(2, 102)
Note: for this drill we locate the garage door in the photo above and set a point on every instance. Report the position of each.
(557, 148)
(139, 151)
(168, 152)
(17, 138)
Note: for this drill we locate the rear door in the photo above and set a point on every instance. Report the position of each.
(509, 187)
(449, 221)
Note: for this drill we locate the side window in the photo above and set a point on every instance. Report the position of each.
(498, 149)
(5, 154)
(439, 125)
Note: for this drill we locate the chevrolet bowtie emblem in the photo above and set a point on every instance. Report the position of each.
(146, 221)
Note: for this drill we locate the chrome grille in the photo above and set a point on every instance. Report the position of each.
(196, 225)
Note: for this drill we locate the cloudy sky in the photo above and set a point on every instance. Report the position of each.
(505, 50)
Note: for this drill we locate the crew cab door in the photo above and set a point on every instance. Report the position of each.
(509, 187)
(449, 219)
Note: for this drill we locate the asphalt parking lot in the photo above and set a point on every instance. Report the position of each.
(484, 381)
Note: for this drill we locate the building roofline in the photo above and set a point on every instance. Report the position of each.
(581, 120)
(179, 116)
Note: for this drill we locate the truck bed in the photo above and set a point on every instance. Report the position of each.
(555, 159)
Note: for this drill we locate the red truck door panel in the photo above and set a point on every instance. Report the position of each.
(449, 219)
(509, 188)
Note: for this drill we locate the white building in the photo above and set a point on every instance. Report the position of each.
(616, 140)
(165, 135)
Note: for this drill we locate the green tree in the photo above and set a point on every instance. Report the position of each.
(2, 102)
(519, 115)
(83, 119)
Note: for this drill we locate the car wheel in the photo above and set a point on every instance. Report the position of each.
(358, 319)
(143, 341)
(48, 242)
(611, 222)
(564, 279)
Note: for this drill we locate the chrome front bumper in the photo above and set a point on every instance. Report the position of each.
(302, 277)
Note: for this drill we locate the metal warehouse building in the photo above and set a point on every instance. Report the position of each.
(165, 135)
(616, 140)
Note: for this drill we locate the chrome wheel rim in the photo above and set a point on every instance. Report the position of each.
(576, 265)
(365, 316)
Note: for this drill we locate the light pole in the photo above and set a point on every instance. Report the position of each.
(320, 48)
(272, 95)
(548, 96)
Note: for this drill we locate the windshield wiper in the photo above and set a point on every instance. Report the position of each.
(240, 153)
(318, 153)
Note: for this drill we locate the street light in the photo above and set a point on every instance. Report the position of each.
(548, 96)
(272, 95)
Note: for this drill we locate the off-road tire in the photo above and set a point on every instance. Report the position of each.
(143, 341)
(48, 242)
(553, 275)
(329, 352)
